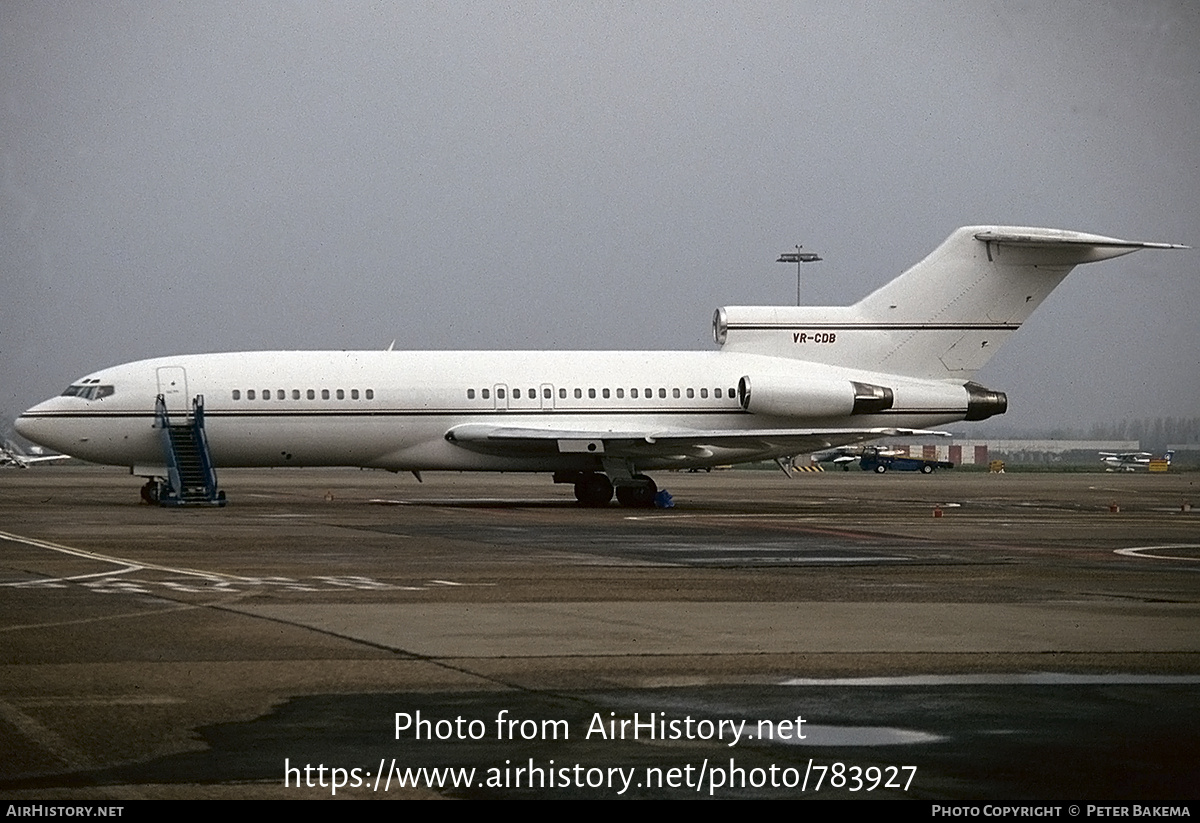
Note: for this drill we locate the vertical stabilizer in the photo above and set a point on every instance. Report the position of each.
(942, 319)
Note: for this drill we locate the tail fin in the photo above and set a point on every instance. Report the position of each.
(942, 319)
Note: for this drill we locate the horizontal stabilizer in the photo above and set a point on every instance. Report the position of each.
(1065, 247)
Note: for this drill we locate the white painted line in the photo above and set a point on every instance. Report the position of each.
(1137, 551)
(133, 565)
(999, 679)
(816, 735)
(51, 581)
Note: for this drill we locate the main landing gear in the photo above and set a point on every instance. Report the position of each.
(638, 496)
(595, 489)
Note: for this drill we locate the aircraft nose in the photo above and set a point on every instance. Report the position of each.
(40, 429)
(24, 425)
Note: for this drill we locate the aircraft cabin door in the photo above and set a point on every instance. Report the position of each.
(501, 394)
(172, 385)
(547, 392)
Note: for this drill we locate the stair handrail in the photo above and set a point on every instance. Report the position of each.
(162, 421)
(210, 473)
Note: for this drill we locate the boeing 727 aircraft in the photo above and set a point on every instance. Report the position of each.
(784, 381)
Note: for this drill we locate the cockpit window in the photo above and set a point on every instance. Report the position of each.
(92, 392)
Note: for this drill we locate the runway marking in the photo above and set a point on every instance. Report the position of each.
(132, 565)
(49, 740)
(82, 620)
(815, 735)
(213, 582)
(60, 582)
(1137, 551)
(1000, 679)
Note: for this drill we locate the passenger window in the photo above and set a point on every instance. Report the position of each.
(266, 394)
(250, 394)
(592, 393)
(704, 393)
(578, 393)
(470, 394)
(605, 393)
(516, 394)
(341, 394)
(546, 393)
(675, 393)
(633, 393)
(370, 394)
(691, 393)
(312, 395)
(324, 394)
(295, 394)
(620, 394)
(487, 393)
(237, 395)
(562, 393)
(354, 394)
(662, 393)
(499, 394)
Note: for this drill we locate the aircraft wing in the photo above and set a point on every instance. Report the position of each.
(680, 444)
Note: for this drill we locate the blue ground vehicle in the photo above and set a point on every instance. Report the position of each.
(880, 462)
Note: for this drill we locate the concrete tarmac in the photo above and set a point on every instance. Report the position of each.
(1040, 639)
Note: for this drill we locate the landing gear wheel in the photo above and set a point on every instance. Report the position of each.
(926, 469)
(150, 492)
(640, 496)
(880, 469)
(594, 490)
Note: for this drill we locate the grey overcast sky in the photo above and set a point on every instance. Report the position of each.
(209, 176)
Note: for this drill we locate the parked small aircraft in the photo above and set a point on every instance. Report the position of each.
(11, 455)
(1130, 461)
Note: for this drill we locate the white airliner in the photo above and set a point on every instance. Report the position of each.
(784, 381)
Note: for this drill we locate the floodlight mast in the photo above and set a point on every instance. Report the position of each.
(798, 257)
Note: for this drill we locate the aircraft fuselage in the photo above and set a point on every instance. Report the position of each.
(393, 410)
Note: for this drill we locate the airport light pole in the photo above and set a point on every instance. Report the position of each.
(798, 257)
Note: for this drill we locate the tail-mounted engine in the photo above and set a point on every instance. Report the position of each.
(790, 397)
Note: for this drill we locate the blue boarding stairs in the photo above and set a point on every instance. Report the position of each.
(191, 479)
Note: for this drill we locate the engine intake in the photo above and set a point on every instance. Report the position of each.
(869, 398)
